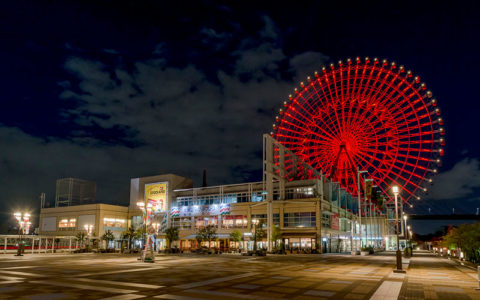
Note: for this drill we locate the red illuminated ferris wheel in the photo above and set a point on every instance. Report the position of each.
(365, 115)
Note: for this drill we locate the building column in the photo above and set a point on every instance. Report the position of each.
(33, 244)
(70, 244)
(53, 245)
(5, 246)
(318, 224)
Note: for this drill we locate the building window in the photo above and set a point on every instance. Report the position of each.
(234, 222)
(201, 222)
(299, 220)
(325, 221)
(67, 224)
(182, 223)
(112, 223)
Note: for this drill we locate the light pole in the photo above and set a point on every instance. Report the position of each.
(24, 223)
(255, 222)
(405, 226)
(359, 203)
(396, 191)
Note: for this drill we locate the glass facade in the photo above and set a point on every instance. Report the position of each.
(299, 220)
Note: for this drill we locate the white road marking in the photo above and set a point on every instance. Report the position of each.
(10, 281)
(112, 282)
(176, 297)
(22, 267)
(85, 287)
(119, 271)
(388, 290)
(21, 273)
(216, 280)
(11, 278)
(125, 297)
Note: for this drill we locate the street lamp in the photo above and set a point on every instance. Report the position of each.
(255, 223)
(24, 224)
(396, 191)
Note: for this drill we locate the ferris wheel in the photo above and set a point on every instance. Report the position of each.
(368, 115)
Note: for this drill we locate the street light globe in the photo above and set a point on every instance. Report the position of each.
(395, 189)
(405, 217)
(255, 221)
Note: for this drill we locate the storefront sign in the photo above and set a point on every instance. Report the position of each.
(335, 221)
(200, 210)
(156, 195)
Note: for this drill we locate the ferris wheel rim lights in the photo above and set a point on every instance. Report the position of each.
(352, 113)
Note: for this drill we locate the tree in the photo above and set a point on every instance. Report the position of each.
(207, 234)
(276, 235)
(129, 235)
(236, 236)
(108, 237)
(80, 237)
(171, 235)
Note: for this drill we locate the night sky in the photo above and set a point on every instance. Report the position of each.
(112, 90)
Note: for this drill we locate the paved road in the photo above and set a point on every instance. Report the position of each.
(102, 276)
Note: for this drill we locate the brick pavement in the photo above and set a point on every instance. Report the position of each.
(102, 276)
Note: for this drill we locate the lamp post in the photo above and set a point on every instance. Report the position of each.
(396, 191)
(24, 223)
(255, 222)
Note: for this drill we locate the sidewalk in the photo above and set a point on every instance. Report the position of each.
(431, 277)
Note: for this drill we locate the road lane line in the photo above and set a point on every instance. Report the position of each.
(388, 290)
(85, 287)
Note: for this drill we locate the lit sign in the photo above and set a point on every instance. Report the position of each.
(156, 195)
(200, 210)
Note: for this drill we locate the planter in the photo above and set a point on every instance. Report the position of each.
(364, 253)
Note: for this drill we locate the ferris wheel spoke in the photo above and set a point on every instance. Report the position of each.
(379, 114)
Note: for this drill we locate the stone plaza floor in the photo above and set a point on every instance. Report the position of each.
(115, 276)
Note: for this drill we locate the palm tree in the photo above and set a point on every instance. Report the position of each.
(171, 235)
(108, 237)
(129, 235)
(80, 237)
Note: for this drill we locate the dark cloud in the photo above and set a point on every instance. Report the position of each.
(153, 118)
(460, 182)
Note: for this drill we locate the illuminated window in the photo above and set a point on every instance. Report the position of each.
(113, 223)
(234, 221)
(67, 224)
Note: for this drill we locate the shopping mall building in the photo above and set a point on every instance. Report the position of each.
(308, 210)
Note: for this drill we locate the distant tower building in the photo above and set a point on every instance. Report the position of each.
(74, 191)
